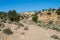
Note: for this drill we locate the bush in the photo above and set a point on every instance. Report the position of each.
(49, 14)
(39, 25)
(25, 28)
(19, 24)
(35, 18)
(50, 22)
(57, 29)
(58, 11)
(2, 25)
(0, 29)
(7, 31)
(55, 36)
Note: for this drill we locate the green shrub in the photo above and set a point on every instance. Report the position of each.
(57, 29)
(7, 31)
(35, 18)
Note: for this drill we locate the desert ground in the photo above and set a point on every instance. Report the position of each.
(33, 32)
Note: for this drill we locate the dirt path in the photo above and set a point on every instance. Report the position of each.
(33, 33)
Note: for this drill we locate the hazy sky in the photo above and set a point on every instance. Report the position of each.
(28, 5)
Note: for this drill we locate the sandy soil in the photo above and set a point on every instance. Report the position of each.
(34, 32)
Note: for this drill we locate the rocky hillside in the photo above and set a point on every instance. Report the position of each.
(42, 16)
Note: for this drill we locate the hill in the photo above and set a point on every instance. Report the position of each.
(39, 25)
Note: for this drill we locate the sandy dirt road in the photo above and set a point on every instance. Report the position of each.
(34, 32)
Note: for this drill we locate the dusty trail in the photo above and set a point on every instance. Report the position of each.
(34, 32)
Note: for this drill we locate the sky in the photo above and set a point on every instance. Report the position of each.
(28, 5)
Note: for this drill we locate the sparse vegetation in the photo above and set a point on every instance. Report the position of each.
(13, 16)
(7, 31)
(56, 28)
(55, 36)
(19, 24)
(50, 25)
(39, 25)
(26, 28)
(50, 22)
(2, 25)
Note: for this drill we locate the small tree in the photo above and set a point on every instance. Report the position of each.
(13, 16)
(58, 11)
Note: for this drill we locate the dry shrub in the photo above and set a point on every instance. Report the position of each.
(25, 28)
(7, 31)
(55, 36)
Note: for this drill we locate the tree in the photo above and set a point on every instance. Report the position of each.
(58, 11)
(12, 12)
(13, 16)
